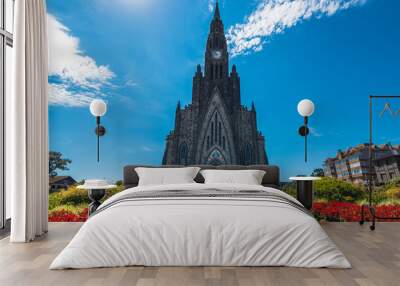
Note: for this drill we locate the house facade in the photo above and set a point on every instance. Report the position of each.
(387, 168)
(58, 183)
(352, 165)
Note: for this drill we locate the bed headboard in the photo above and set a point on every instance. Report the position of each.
(271, 177)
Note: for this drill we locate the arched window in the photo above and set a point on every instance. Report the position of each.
(215, 158)
(215, 71)
(183, 154)
(212, 133)
(208, 142)
(216, 127)
(219, 134)
(223, 143)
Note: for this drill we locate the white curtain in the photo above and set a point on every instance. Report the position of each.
(27, 124)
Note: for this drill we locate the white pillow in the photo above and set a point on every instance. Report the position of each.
(166, 176)
(247, 177)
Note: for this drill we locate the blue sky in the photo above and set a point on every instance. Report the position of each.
(140, 56)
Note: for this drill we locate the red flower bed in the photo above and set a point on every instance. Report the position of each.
(68, 216)
(330, 211)
(350, 212)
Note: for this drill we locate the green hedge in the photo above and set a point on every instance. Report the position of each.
(330, 189)
(76, 197)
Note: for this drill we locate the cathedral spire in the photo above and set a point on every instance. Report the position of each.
(216, 23)
(217, 15)
(253, 107)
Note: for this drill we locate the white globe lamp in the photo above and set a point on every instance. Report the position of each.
(98, 108)
(305, 108)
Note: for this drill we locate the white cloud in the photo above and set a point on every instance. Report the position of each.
(211, 5)
(314, 132)
(81, 79)
(275, 16)
(130, 83)
(59, 94)
(147, 149)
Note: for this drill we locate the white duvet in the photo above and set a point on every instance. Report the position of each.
(200, 232)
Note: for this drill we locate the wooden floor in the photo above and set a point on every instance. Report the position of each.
(375, 257)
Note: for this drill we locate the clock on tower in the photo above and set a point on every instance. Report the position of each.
(216, 54)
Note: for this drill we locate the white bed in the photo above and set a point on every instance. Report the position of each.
(201, 231)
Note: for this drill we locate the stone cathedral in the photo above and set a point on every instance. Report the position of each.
(215, 129)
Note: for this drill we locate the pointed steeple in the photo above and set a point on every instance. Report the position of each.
(178, 117)
(234, 71)
(216, 23)
(217, 15)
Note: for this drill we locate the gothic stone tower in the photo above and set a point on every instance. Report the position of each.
(215, 129)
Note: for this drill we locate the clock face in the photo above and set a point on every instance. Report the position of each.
(216, 54)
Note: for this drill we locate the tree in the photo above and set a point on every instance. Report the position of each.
(319, 172)
(56, 162)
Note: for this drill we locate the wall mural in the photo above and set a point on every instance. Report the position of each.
(194, 82)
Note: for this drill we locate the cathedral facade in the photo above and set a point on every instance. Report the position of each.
(215, 129)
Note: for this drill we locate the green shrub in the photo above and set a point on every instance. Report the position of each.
(70, 208)
(290, 189)
(393, 193)
(76, 197)
(394, 183)
(331, 189)
(54, 200)
(111, 192)
(71, 196)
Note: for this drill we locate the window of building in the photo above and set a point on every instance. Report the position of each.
(183, 154)
(219, 134)
(216, 127)
(212, 133)
(216, 158)
(6, 43)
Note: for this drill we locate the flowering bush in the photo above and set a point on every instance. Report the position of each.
(329, 211)
(74, 196)
(64, 215)
(350, 212)
(331, 189)
(71, 205)
(339, 202)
